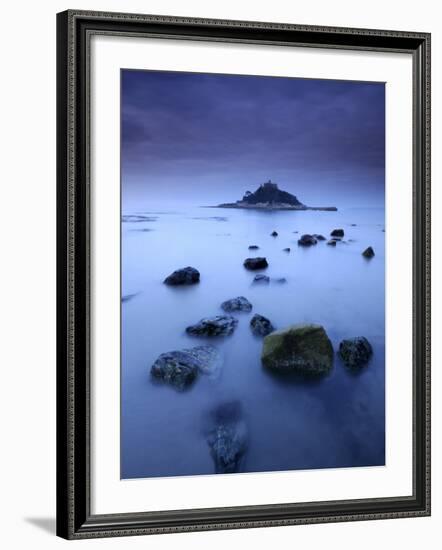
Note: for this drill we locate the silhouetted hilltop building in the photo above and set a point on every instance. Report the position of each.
(270, 193)
(268, 196)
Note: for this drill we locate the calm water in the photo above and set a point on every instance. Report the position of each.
(292, 424)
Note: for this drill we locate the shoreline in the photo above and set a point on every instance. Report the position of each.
(268, 207)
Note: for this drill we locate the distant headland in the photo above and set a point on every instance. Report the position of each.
(269, 197)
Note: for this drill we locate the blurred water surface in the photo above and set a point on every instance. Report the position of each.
(292, 424)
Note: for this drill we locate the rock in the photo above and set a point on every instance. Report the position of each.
(368, 252)
(286, 249)
(274, 234)
(337, 233)
(184, 276)
(261, 279)
(260, 325)
(255, 263)
(253, 247)
(228, 440)
(280, 280)
(355, 352)
(307, 240)
(295, 231)
(237, 304)
(319, 237)
(304, 349)
(337, 239)
(181, 368)
(220, 325)
(353, 224)
(331, 242)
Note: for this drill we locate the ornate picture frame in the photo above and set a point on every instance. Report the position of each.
(75, 519)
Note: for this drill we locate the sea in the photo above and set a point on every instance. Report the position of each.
(337, 421)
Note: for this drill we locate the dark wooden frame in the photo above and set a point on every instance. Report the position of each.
(74, 519)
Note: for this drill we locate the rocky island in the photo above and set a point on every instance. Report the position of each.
(268, 196)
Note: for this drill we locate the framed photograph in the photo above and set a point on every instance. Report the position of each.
(243, 274)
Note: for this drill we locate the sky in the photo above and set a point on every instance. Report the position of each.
(203, 139)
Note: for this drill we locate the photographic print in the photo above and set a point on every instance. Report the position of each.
(252, 274)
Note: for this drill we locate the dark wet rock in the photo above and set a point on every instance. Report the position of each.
(368, 252)
(253, 247)
(228, 439)
(351, 241)
(355, 352)
(331, 242)
(261, 326)
(255, 263)
(307, 240)
(353, 224)
(337, 239)
(337, 233)
(274, 234)
(220, 325)
(181, 368)
(128, 297)
(295, 231)
(304, 349)
(383, 230)
(237, 304)
(319, 237)
(280, 280)
(286, 249)
(185, 276)
(261, 279)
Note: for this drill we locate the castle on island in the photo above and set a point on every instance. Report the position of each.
(268, 196)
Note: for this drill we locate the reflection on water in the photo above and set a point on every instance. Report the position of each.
(292, 423)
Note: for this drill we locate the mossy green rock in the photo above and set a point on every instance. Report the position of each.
(302, 349)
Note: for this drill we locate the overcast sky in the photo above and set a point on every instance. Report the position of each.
(207, 138)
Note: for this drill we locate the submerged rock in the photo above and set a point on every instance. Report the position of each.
(253, 247)
(304, 349)
(307, 240)
(274, 233)
(261, 279)
(331, 242)
(261, 326)
(237, 304)
(184, 276)
(286, 249)
(280, 280)
(319, 237)
(337, 233)
(228, 440)
(355, 352)
(368, 252)
(220, 325)
(255, 263)
(181, 368)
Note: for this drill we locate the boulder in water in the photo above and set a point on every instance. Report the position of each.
(220, 325)
(255, 263)
(307, 240)
(260, 325)
(184, 276)
(237, 304)
(181, 368)
(303, 349)
(337, 233)
(355, 352)
(368, 252)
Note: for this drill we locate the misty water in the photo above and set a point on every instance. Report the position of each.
(292, 423)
